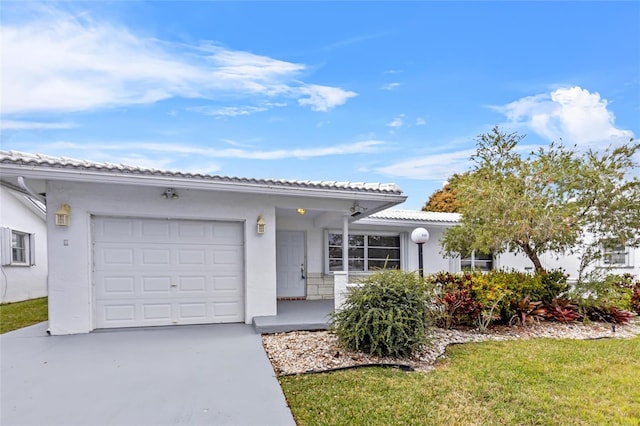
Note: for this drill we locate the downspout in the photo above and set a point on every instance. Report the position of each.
(23, 185)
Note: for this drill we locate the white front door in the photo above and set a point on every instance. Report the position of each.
(163, 272)
(290, 264)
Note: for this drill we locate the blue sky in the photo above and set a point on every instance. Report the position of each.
(345, 91)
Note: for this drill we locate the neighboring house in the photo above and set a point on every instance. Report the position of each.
(23, 246)
(615, 260)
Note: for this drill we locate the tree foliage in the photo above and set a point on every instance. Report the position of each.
(556, 199)
(445, 199)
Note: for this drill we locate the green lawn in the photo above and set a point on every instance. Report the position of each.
(21, 314)
(532, 382)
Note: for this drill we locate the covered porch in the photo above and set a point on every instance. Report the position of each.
(295, 315)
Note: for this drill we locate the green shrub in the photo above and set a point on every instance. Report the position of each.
(454, 300)
(605, 292)
(388, 315)
(554, 285)
(483, 299)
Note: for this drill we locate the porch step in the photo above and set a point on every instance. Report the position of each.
(296, 315)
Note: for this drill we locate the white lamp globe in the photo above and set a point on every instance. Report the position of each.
(420, 236)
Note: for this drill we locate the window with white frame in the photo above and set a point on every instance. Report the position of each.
(18, 248)
(476, 261)
(367, 252)
(616, 256)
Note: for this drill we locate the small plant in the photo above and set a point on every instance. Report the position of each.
(387, 315)
(562, 310)
(526, 312)
(610, 314)
(487, 317)
(455, 300)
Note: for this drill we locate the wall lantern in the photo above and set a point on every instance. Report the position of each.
(170, 193)
(261, 225)
(420, 236)
(63, 215)
(301, 211)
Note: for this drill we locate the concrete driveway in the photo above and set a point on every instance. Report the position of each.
(182, 375)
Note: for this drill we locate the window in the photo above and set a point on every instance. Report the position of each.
(476, 261)
(366, 252)
(17, 247)
(617, 255)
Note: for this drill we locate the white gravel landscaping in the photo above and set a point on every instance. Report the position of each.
(312, 351)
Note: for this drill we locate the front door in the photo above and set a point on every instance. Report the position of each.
(290, 264)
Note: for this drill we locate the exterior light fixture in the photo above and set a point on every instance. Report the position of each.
(420, 236)
(63, 215)
(301, 211)
(170, 193)
(260, 225)
(356, 209)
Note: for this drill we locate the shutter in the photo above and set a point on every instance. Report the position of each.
(5, 246)
(32, 249)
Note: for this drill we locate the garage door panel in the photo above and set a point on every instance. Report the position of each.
(227, 256)
(155, 285)
(192, 284)
(113, 229)
(156, 311)
(226, 310)
(119, 285)
(162, 272)
(153, 231)
(118, 256)
(226, 283)
(155, 256)
(194, 231)
(113, 313)
(192, 256)
(193, 310)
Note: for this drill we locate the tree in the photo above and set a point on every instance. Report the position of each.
(445, 199)
(556, 199)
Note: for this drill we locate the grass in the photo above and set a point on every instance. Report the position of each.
(529, 382)
(22, 314)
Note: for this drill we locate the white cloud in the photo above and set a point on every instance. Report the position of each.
(432, 167)
(26, 125)
(164, 151)
(393, 71)
(390, 86)
(573, 114)
(397, 122)
(228, 111)
(420, 121)
(56, 61)
(323, 98)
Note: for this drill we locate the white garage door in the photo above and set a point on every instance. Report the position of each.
(162, 272)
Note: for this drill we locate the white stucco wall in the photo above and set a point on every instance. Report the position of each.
(19, 283)
(71, 302)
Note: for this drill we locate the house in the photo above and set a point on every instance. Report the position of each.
(130, 246)
(23, 245)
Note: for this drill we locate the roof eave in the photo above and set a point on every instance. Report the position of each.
(74, 175)
(405, 223)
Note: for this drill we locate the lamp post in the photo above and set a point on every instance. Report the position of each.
(420, 236)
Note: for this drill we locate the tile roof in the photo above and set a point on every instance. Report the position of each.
(415, 216)
(40, 160)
